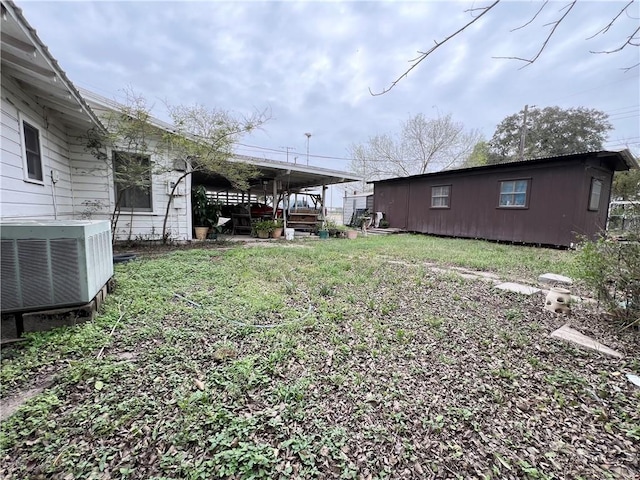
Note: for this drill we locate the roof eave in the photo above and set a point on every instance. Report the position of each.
(42, 49)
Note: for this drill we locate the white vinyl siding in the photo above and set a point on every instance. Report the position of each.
(23, 197)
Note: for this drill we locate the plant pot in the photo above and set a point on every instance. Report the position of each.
(289, 233)
(277, 232)
(558, 300)
(352, 234)
(263, 234)
(201, 232)
(323, 233)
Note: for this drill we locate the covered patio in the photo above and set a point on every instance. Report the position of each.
(296, 193)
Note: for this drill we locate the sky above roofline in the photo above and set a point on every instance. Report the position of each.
(311, 64)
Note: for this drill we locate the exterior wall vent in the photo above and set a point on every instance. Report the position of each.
(47, 264)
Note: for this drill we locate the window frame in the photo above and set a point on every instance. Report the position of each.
(527, 193)
(447, 197)
(591, 191)
(149, 209)
(23, 121)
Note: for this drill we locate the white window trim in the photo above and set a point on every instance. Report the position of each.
(127, 210)
(527, 193)
(593, 181)
(447, 196)
(22, 118)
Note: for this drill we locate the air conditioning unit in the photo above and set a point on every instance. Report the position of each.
(47, 264)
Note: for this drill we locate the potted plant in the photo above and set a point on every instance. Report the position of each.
(213, 215)
(264, 228)
(278, 228)
(340, 231)
(351, 234)
(204, 215)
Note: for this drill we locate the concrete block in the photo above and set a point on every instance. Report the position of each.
(573, 336)
(554, 279)
(46, 320)
(8, 327)
(518, 288)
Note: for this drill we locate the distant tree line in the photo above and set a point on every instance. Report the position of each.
(423, 145)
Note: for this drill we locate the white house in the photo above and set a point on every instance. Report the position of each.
(48, 172)
(42, 114)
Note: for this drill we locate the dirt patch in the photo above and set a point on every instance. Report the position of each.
(9, 405)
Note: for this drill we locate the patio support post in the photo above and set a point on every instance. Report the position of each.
(275, 197)
(324, 210)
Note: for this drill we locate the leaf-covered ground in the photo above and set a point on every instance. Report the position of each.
(331, 359)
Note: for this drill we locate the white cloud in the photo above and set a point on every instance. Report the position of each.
(313, 62)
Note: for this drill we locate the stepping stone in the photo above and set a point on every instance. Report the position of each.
(553, 279)
(575, 337)
(517, 288)
(634, 379)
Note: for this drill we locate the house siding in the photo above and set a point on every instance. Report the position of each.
(85, 187)
(360, 201)
(556, 212)
(94, 197)
(24, 199)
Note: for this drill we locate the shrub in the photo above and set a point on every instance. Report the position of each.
(611, 267)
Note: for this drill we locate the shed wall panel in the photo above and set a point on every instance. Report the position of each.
(556, 212)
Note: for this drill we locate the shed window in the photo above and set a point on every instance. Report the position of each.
(32, 152)
(513, 193)
(440, 196)
(132, 180)
(594, 196)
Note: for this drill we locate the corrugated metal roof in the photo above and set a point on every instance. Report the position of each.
(33, 68)
(625, 159)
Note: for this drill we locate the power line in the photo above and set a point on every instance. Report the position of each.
(283, 152)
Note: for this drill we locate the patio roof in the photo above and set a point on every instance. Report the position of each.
(288, 176)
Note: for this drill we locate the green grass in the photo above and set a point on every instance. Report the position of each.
(312, 360)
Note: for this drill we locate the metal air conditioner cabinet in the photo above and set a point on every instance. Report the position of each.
(46, 264)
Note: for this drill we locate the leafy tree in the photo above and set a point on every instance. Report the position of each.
(626, 185)
(204, 140)
(480, 155)
(128, 130)
(421, 145)
(550, 131)
(201, 138)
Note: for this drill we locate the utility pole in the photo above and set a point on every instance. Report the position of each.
(308, 137)
(523, 133)
(287, 149)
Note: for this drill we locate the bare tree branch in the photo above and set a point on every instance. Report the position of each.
(555, 24)
(416, 61)
(610, 24)
(631, 40)
(534, 17)
(626, 69)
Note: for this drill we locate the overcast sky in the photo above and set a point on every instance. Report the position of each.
(312, 64)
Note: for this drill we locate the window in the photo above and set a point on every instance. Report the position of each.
(132, 181)
(32, 156)
(513, 193)
(594, 196)
(440, 196)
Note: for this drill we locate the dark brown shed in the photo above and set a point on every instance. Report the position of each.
(548, 201)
